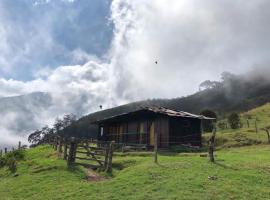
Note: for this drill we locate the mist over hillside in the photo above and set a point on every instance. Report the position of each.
(21, 114)
(233, 93)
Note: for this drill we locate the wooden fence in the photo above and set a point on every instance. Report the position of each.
(89, 153)
(5, 151)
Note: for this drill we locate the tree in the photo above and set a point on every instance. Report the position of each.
(234, 121)
(208, 124)
(209, 85)
(41, 136)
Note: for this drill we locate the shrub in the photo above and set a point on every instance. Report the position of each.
(11, 158)
(222, 125)
(2, 162)
(11, 163)
(234, 121)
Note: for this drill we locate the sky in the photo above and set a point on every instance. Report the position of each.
(87, 53)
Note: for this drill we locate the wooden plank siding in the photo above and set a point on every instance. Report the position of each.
(171, 131)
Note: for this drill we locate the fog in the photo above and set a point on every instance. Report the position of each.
(191, 40)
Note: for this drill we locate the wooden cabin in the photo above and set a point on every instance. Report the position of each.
(140, 126)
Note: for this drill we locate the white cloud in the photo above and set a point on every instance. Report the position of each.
(192, 40)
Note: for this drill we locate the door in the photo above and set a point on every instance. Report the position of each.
(141, 132)
(152, 133)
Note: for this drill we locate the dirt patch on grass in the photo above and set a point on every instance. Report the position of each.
(92, 176)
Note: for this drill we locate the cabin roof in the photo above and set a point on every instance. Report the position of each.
(158, 111)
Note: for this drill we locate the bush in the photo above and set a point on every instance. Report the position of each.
(2, 162)
(234, 121)
(222, 125)
(11, 163)
(11, 158)
(17, 154)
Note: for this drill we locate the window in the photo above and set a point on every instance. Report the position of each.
(101, 131)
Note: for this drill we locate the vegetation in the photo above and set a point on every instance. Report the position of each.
(11, 158)
(234, 121)
(41, 174)
(177, 176)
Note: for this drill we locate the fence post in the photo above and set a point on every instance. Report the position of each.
(212, 145)
(5, 150)
(72, 152)
(59, 148)
(110, 155)
(256, 126)
(19, 145)
(55, 143)
(247, 123)
(156, 147)
(1, 153)
(65, 150)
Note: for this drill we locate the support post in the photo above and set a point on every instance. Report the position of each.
(19, 145)
(1, 153)
(72, 152)
(65, 150)
(268, 133)
(59, 148)
(156, 147)
(109, 165)
(212, 145)
(55, 143)
(5, 150)
(247, 123)
(256, 126)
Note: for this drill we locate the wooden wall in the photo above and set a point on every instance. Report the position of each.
(171, 131)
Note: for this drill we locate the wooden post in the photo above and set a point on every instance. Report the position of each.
(107, 151)
(19, 145)
(65, 151)
(55, 143)
(212, 145)
(268, 133)
(156, 147)
(59, 148)
(1, 153)
(109, 165)
(72, 152)
(5, 150)
(247, 123)
(256, 126)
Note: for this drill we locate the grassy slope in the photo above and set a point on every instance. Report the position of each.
(242, 173)
(245, 135)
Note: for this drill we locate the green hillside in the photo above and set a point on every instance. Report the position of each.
(246, 135)
(241, 171)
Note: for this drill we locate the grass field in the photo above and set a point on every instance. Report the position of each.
(241, 171)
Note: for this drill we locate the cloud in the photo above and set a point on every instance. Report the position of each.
(191, 40)
(44, 33)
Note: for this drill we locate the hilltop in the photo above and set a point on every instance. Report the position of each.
(242, 158)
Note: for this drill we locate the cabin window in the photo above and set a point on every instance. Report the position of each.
(101, 131)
